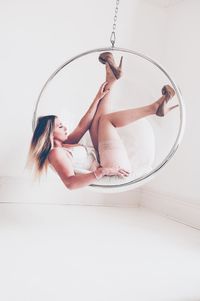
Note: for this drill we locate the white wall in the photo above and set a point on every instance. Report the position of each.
(38, 36)
(181, 177)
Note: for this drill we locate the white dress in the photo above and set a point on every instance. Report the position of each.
(84, 158)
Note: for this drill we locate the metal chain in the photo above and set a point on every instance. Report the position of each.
(113, 36)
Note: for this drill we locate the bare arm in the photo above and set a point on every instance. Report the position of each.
(63, 166)
(86, 120)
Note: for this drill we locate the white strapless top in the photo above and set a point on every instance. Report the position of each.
(84, 158)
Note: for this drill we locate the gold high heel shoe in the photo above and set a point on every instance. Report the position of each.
(107, 57)
(168, 92)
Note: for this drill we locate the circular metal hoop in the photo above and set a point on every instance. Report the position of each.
(142, 179)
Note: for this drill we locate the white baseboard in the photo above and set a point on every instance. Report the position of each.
(20, 190)
(23, 190)
(179, 210)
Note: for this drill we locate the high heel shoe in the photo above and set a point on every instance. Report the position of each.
(168, 92)
(107, 57)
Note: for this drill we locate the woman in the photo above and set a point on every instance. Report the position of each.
(52, 144)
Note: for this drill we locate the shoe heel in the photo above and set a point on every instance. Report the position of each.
(120, 64)
(173, 107)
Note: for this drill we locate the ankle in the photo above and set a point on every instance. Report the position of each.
(109, 85)
(155, 106)
(159, 102)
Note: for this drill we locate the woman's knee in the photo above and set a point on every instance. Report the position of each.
(104, 118)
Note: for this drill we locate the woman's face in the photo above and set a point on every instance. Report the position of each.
(60, 132)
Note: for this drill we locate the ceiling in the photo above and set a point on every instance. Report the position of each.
(165, 3)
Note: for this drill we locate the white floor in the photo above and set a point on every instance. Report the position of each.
(88, 253)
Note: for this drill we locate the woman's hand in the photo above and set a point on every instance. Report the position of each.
(102, 91)
(115, 172)
(108, 171)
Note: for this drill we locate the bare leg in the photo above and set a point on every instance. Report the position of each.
(103, 108)
(111, 149)
(125, 117)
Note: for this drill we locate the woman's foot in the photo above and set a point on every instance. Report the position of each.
(107, 58)
(161, 105)
(168, 91)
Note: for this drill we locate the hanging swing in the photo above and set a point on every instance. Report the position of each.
(147, 143)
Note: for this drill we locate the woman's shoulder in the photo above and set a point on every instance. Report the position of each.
(60, 161)
(56, 150)
(56, 153)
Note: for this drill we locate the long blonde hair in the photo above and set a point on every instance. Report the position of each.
(41, 144)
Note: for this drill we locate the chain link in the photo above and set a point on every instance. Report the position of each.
(113, 36)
